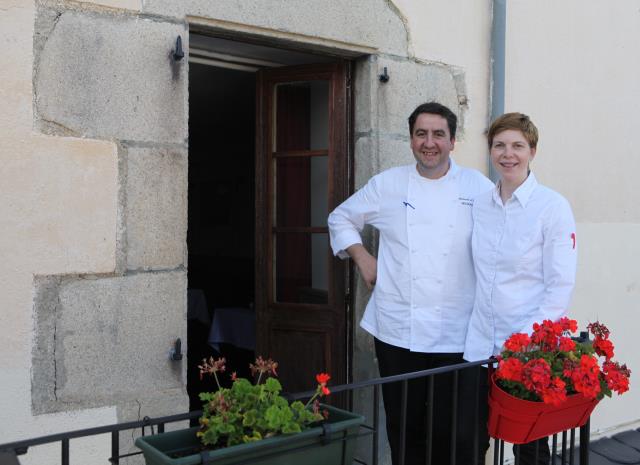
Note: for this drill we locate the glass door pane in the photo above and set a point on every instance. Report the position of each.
(301, 271)
(301, 192)
(302, 116)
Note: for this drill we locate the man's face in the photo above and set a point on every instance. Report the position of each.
(431, 143)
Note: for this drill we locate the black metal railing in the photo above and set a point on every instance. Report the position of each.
(560, 454)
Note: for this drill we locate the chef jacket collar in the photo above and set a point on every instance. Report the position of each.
(522, 193)
(452, 173)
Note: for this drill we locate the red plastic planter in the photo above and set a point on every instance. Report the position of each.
(520, 421)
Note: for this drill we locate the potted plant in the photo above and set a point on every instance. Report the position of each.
(547, 382)
(254, 422)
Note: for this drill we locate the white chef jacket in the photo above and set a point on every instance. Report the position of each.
(425, 282)
(524, 254)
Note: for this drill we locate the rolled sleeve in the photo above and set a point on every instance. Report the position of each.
(349, 218)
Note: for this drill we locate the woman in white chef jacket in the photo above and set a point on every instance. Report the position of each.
(524, 252)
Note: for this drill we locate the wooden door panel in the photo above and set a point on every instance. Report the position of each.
(311, 350)
(302, 157)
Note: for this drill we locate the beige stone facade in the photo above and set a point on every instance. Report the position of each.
(94, 132)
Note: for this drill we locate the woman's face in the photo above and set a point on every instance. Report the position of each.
(510, 155)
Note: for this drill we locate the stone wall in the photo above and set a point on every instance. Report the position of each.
(94, 216)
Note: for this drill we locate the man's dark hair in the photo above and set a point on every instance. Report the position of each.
(435, 108)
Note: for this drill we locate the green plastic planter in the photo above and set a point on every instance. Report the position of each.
(332, 445)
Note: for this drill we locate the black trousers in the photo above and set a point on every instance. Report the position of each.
(472, 394)
(526, 453)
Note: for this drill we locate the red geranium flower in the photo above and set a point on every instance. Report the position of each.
(585, 378)
(510, 370)
(616, 376)
(603, 347)
(536, 375)
(566, 344)
(322, 378)
(555, 393)
(549, 365)
(598, 330)
(517, 342)
(568, 324)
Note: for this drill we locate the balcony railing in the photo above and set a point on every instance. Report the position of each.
(563, 450)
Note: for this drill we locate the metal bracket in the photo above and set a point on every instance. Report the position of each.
(176, 352)
(384, 77)
(178, 53)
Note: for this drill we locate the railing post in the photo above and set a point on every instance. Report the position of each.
(403, 421)
(454, 418)
(376, 421)
(572, 445)
(429, 445)
(476, 413)
(65, 451)
(115, 447)
(584, 442)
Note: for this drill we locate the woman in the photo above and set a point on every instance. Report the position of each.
(524, 252)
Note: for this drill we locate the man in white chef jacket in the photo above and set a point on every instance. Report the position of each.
(422, 280)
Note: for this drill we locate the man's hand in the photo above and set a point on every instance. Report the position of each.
(366, 263)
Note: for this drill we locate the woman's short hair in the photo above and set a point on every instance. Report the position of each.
(517, 122)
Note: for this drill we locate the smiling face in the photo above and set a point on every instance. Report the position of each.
(431, 143)
(510, 155)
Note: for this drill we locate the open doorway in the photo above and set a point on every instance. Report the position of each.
(265, 167)
(221, 218)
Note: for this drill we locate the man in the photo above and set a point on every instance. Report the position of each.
(423, 280)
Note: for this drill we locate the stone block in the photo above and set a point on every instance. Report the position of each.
(380, 152)
(156, 207)
(152, 405)
(109, 76)
(410, 84)
(366, 84)
(366, 160)
(111, 339)
(369, 23)
(394, 150)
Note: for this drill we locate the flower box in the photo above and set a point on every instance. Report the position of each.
(519, 421)
(332, 443)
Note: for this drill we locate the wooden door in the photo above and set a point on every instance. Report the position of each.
(302, 160)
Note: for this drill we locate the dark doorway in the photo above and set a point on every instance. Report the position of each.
(241, 265)
(221, 212)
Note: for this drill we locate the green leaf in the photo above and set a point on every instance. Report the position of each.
(272, 385)
(291, 427)
(249, 418)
